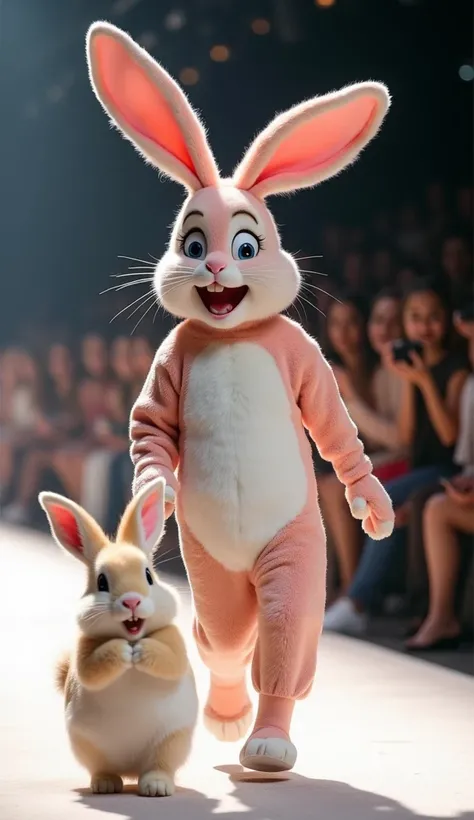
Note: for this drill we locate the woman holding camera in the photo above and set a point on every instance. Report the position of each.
(447, 515)
(433, 379)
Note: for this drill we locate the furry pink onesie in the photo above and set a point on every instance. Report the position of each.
(223, 413)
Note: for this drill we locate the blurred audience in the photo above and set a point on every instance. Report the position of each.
(447, 515)
(432, 382)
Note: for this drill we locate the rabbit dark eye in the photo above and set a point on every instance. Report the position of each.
(149, 576)
(194, 245)
(102, 583)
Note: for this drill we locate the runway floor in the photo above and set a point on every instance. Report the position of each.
(382, 735)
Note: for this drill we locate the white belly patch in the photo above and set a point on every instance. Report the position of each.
(128, 720)
(243, 476)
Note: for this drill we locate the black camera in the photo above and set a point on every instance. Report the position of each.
(402, 349)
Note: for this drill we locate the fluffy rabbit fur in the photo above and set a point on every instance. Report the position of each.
(130, 698)
(233, 387)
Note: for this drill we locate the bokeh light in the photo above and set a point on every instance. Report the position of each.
(175, 20)
(325, 3)
(189, 76)
(260, 26)
(220, 53)
(466, 72)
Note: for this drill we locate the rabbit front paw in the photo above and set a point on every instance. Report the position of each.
(137, 652)
(127, 653)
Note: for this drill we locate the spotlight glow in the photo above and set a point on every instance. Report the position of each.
(189, 76)
(220, 54)
(325, 4)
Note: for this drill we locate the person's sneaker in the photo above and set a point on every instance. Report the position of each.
(15, 514)
(343, 617)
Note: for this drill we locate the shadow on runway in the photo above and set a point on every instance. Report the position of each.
(261, 797)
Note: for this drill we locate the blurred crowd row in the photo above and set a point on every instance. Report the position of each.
(64, 421)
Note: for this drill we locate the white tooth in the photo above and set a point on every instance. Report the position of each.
(215, 288)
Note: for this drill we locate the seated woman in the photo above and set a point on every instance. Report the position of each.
(347, 348)
(375, 415)
(378, 425)
(428, 426)
(56, 419)
(20, 422)
(445, 516)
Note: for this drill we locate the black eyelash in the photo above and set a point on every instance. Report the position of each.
(260, 240)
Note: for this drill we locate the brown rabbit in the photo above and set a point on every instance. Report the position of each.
(130, 697)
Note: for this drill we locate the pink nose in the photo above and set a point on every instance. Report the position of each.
(131, 603)
(215, 267)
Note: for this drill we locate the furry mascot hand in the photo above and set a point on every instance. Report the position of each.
(369, 502)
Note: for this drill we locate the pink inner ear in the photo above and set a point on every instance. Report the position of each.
(137, 98)
(149, 514)
(67, 527)
(320, 141)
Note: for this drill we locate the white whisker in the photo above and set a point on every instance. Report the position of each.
(312, 305)
(147, 297)
(141, 318)
(132, 273)
(321, 290)
(143, 296)
(126, 285)
(301, 258)
(135, 259)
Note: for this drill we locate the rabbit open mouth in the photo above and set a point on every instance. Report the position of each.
(133, 625)
(221, 301)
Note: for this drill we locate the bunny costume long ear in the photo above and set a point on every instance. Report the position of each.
(313, 141)
(149, 107)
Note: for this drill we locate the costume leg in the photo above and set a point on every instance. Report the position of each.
(225, 630)
(290, 580)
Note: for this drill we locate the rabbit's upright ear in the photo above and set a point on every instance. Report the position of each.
(313, 141)
(143, 521)
(72, 527)
(149, 107)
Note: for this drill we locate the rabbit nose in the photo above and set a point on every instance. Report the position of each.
(131, 603)
(215, 267)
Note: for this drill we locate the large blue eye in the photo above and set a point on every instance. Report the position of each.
(245, 245)
(194, 245)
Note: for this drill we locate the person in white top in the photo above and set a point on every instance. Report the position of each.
(445, 516)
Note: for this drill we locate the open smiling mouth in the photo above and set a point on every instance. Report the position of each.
(221, 301)
(133, 625)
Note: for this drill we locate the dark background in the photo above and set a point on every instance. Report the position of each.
(75, 195)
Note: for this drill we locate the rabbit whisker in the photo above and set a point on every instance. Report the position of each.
(142, 317)
(321, 290)
(126, 285)
(135, 259)
(173, 558)
(140, 298)
(132, 273)
(312, 305)
(148, 296)
(301, 258)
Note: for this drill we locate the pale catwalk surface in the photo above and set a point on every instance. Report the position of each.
(381, 736)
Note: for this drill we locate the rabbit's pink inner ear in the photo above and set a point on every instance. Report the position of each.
(66, 527)
(138, 99)
(150, 514)
(321, 141)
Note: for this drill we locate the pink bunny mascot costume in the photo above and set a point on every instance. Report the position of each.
(233, 387)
